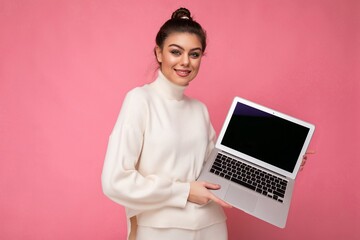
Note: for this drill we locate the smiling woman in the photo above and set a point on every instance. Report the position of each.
(180, 44)
(159, 144)
(180, 57)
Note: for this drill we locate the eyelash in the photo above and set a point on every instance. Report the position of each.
(175, 52)
(193, 55)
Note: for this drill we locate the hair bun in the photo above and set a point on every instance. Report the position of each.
(181, 13)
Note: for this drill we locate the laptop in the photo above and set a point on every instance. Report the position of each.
(256, 158)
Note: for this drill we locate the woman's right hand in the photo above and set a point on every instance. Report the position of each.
(200, 194)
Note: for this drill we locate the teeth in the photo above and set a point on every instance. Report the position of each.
(183, 72)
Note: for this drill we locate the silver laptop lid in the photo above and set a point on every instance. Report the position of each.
(265, 137)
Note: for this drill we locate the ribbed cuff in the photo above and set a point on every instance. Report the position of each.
(180, 194)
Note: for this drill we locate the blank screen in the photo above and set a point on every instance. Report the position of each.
(265, 137)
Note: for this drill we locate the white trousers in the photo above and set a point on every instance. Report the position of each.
(213, 232)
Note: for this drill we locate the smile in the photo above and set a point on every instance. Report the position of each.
(182, 73)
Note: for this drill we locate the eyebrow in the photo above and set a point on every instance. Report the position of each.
(193, 49)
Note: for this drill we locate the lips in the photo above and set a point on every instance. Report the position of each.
(182, 73)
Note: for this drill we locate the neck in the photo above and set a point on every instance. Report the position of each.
(168, 89)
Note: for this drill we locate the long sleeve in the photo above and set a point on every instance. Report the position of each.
(157, 148)
(212, 138)
(121, 180)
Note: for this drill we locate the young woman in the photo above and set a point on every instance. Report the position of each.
(160, 142)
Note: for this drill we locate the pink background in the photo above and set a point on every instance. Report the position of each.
(66, 65)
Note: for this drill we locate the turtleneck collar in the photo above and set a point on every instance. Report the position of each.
(167, 88)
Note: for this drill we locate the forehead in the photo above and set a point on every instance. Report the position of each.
(184, 40)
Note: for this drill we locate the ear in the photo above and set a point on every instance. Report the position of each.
(158, 53)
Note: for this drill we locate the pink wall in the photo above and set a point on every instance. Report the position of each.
(66, 65)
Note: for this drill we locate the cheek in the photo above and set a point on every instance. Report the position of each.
(196, 64)
(170, 60)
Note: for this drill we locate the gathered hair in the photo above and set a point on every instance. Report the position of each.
(181, 22)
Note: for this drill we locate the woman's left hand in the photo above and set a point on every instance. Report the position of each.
(305, 157)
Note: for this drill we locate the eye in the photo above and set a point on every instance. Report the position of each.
(175, 52)
(195, 55)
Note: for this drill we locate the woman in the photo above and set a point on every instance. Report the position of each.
(160, 142)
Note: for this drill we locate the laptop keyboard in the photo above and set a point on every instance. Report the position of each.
(250, 177)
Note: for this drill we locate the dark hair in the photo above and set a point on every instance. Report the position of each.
(181, 21)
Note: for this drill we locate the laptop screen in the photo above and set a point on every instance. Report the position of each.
(265, 136)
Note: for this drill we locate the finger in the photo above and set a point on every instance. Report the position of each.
(220, 202)
(310, 152)
(212, 186)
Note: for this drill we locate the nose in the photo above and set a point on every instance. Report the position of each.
(185, 60)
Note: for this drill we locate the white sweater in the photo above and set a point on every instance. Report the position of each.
(157, 147)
